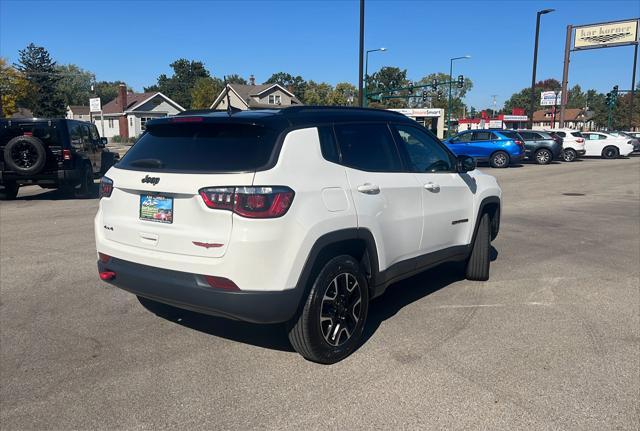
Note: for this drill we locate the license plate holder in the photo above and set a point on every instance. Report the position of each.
(156, 208)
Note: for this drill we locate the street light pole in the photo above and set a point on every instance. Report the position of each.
(366, 74)
(360, 52)
(532, 103)
(450, 87)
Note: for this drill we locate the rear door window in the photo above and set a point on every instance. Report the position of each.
(482, 136)
(201, 147)
(368, 147)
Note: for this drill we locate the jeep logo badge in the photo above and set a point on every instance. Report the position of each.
(151, 180)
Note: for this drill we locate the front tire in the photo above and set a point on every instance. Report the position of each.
(330, 325)
(543, 156)
(499, 159)
(610, 152)
(9, 191)
(86, 186)
(479, 259)
(569, 155)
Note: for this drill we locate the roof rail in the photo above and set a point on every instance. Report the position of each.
(302, 108)
(197, 111)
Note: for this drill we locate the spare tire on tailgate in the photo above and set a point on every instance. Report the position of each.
(26, 155)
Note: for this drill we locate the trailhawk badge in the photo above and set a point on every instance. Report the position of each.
(151, 180)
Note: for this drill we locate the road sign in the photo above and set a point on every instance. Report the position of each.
(94, 105)
(550, 98)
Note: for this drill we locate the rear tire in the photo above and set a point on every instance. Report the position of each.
(479, 260)
(569, 155)
(543, 156)
(331, 323)
(499, 159)
(610, 152)
(87, 186)
(9, 191)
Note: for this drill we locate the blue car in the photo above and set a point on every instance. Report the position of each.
(498, 147)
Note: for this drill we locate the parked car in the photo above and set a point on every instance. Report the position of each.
(52, 153)
(606, 145)
(635, 135)
(573, 145)
(540, 147)
(635, 141)
(247, 233)
(491, 146)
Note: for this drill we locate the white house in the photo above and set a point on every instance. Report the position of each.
(263, 96)
(78, 112)
(127, 114)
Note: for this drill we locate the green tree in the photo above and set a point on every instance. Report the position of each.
(179, 86)
(576, 98)
(75, 84)
(317, 93)
(296, 84)
(205, 91)
(13, 87)
(106, 90)
(385, 80)
(39, 69)
(344, 94)
(236, 79)
(522, 99)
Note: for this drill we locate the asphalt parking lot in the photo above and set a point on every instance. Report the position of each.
(552, 341)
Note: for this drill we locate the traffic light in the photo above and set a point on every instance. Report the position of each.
(424, 96)
(615, 90)
(439, 95)
(460, 81)
(434, 84)
(608, 98)
(410, 87)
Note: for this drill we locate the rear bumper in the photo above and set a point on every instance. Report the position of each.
(581, 152)
(57, 177)
(191, 292)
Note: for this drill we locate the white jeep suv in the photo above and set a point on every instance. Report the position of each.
(299, 215)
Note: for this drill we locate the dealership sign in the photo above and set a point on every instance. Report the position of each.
(94, 104)
(607, 34)
(549, 98)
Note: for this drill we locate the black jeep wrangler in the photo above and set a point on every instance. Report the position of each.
(52, 153)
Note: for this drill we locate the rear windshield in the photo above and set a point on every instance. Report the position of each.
(510, 134)
(202, 147)
(577, 134)
(46, 131)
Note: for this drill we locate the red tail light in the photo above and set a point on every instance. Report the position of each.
(107, 275)
(221, 283)
(251, 202)
(66, 154)
(106, 187)
(580, 140)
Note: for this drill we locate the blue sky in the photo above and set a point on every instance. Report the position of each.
(135, 41)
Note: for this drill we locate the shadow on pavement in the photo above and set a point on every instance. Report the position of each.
(55, 195)
(275, 337)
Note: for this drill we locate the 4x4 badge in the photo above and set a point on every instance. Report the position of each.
(151, 180)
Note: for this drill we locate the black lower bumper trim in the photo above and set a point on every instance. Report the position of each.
(186, 290)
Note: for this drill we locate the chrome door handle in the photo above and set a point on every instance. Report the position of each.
(432, 187)
(369, 189)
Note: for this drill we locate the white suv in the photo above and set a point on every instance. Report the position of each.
(573, 144)
(299, 215)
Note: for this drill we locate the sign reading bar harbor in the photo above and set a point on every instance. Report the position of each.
(605, 35)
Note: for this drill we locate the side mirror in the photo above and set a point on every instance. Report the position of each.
(103, 142)
(465, 164)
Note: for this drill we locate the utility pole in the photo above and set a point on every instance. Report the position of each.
(565, 73)
(494, 104)
(633, 85)
(361, 54)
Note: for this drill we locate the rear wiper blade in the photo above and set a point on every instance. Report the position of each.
(148, 163)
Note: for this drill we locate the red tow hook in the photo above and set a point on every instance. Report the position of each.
(107, 275)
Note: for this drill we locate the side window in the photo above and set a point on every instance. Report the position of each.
(526, 135)
(601, 136)
(481, 136)
(425, 153)
(75, 135)
(368, 147)
(86, 139)
(462, 138)
(561, 134)
(328, 144)
(94, 133)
